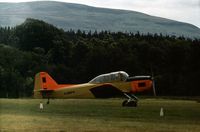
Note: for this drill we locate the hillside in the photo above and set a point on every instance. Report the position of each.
(76, 16)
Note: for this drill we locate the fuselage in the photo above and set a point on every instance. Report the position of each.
(103, 86)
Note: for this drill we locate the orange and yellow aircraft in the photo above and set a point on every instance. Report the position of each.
(103, 86)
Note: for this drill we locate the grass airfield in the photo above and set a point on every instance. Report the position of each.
(97, 115)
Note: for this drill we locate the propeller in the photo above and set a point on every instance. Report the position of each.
(153, 82)
(153, 85)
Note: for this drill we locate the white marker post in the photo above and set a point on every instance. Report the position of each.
(161, 112)
(41, 106)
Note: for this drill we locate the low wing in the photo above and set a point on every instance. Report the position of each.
(106, 91)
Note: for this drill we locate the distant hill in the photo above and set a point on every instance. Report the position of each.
(76, 16)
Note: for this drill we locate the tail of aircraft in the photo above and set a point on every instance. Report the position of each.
(43, 82)
(44, 85)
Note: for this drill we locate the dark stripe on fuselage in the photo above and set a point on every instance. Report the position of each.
(138, 78)
(106, 91)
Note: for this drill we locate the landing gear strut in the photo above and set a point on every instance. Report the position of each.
(48, 101)
(131, 102)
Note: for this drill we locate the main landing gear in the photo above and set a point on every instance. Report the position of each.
(131, 102)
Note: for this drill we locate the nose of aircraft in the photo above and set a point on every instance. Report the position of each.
(141, 83)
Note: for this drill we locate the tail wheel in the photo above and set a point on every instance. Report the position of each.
(48, 101)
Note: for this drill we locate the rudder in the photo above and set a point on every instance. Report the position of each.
(43, 81)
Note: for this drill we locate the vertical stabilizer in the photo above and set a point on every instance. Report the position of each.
(43, 81)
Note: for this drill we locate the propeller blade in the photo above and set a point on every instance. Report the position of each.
(153, 82)
(153, 85)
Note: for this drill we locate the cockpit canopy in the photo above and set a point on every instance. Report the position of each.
(110, 77)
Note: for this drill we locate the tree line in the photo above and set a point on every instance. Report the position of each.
(78, 56)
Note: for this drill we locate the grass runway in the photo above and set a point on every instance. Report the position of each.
(97, 115)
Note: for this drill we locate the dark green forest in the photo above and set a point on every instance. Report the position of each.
(78, 56)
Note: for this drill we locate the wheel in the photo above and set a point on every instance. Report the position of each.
(135, 104)
(124, 103)
(132, 104)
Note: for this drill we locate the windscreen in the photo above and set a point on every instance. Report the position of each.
(110, 77)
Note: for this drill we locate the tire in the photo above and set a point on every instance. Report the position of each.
(132, 104)
(124, 103)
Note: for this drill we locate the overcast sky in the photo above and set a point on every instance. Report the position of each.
(180, 10)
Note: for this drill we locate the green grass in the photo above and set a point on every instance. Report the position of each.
(95, 115)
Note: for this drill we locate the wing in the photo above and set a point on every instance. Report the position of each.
(106, 91)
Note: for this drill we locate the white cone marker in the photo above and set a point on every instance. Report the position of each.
(161, 111)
